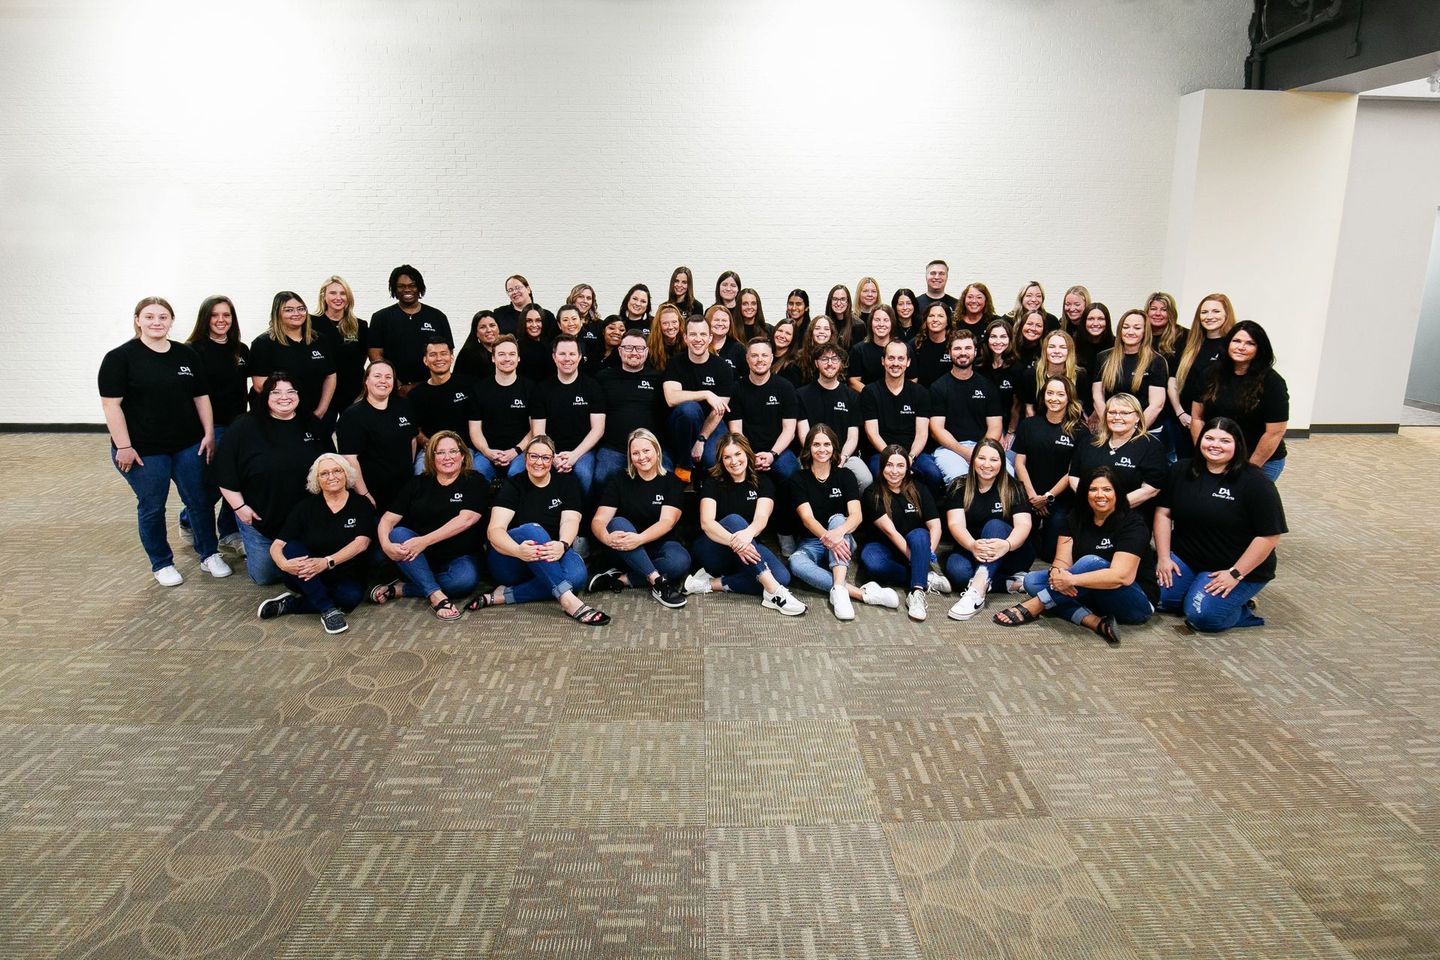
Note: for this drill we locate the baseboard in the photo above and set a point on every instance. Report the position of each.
(1354, 428)
(1297, 433)
(53, 428)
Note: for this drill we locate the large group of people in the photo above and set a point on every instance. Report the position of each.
(877, 452)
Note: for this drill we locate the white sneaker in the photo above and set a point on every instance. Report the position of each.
(216, 566)
(698, 582)
(938, 582)
(783, 601)
(969, 604)
(877, 596)
(168, 576)
(916, 606)
(234, 542)
(840, 603)
(787, 544)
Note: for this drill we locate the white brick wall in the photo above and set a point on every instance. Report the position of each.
(162, 148)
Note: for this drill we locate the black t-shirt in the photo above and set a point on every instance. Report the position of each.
(1048, 451)
(1216, 517)
(867, 361)
(1139, 461)
(567, 408)
(1274, 407)
(895, 413)
(446, 406)
(632, 401)
(324, 533)
(507, 318)
(838, 409)
(1025, 390)
(736, 498)
(228, 375)
(476, 361)
(902, 512)
(1007, 383)
(985, 506)
(402, 337)
(381, 441)
(1122, 532)
(157, 393)
(826, 498)
(504, 411)
(542, 505)
(1211, 349)
(732, 353)
(1156, 375)
(762, 408)
(537, 362)
(425, 505)
(350, 357)
(965, 405)
(922, 306)
(929, 361)
(641, 501)
(309, 363)
(266, 461)
(714, 374)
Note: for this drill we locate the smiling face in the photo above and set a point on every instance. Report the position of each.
(936, 276)
(783, 336)
(986, 463)
(614, 332)
(821, 332)
(538, 459)
(821, 449)
(534, 324)
(897, 361)
(569, 322)
(437, 358)
(868, 295)
(1212, 317)
(1120, 420)
(904, 307)
(567, 357)
(638, 304)
(448, 459)
(1056, 399)
(1056, 350)
(644, 457)
(734, 461)
(1242, 350)
(880, 326)
(584, 301)
(1217, 446)
(998, 339)
(1101, 496)
(379, 381)
(330, 476)
(749, 306)
(335, 298)
(962, 353)
(1073, 306)
(828, 365)
(1032, 298)
(936, 320)
(697, 336)
(407, 291)
(1158, 313)
(795, 308)
(1033, 328)
(974, 301)
(894, 471)
(292, 316)
(679, 286)
(518, 292)
(283, 400)
(720, 325)
(507, 358)
(728, 289)
(839, 302)
(759, 357)
(222, 318)
(487, 331)
(670, 326)
(1095, 323)
(1132, 332)
(633, 351)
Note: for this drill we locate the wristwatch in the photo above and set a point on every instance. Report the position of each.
(329, 563)
(1236, 574)
(1049, 498)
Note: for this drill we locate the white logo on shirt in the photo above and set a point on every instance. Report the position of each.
(316, 355)
(905, 409)
(457, 497)
(978, 395)
(772, 401)
(644, 385)
(660, 498)
(751, 495)
(580, 402)
(309, 436)
(840, 407)
(402, 422)
(1104, 544)
(708, 381)
(185, 372)
(1064, 440)
(554, 503)
(460, 395)
(1124, 462)
(835, 492)
(1223, 493)
(997, 508)
(426, 326)
(517, 404)
(350, 523)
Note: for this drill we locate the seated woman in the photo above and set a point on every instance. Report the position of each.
(532, 531)
(428, 530)
(990, 521)
(635, 523)
(1122, 443)
(735, 505)
(1215, 533)
(377, 434)
(1243, 385)
(1044, 446)
(827, 500)
(907, 527)
(321, 550)
(1093, 579)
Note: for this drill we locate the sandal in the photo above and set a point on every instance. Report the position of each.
(1015, 616)
(589, 616)
(446, 610)
(480, 601)
(1106, 629)
(386, 592)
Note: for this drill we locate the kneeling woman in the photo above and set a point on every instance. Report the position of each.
(635, 522)
(1216, 531)
(908, 525)
(532, 530)
(321, 549)
(735, 505)
(990, 521)
(428, 530)
(1092, 581)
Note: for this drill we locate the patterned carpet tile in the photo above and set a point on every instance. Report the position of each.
(375, 690)
(950, 768)
(805, 772)
(1291, 678)
(639, 773)
(499, 685)
(883, 683)
(1393, 756)
(646, 626)
(1037, 679)
(636, 685)
(1159, 676)
(764, 683)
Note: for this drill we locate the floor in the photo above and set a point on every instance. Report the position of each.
(178, 779)
(1414, 415)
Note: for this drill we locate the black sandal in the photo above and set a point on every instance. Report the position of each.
(1106, 629)
(589, 616)
(440, 608)
(386, 592)
(1016, 616)
(480, 601)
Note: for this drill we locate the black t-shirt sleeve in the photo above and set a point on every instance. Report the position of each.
(1132, 536)
(928, 510)
(1274, 404)
(610, 496)
(869, 408)
(1262, 505)
(1154, 463)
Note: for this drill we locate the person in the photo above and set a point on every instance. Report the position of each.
(736, 503)
(828, 401)
(763, 408)
(977, 309)
(321, 549)
(1031, 299)
(1094, 337)
(1057, 359)
(750, 317)
(1122, 443)
(442, 402)
(682, 292)
(635, 525)
(867, 356)
(1214, 319)
(895, 411)
(828, 504)
(1044, 446)
(1166, 338)
(260, 468)
(991, 522)
(697, 389)
(292, 346)
(725, 340)
(840, 310)
(1073, 308)
(964, 409)
(667, 335)
(1244, 386)
(582, 297)
(1133, 367)
(937, 275)
(1028, 334)
(223, 358)
(797, 311)
(727, 290)
(635, 308)
(1216, 530)
(634, 400)
(500, 417)
(902, 305)
(570, 409)
(787, 353)
(607, 351)
(820, 332)
(905, 532)
(533, 525)
(999, 363)
(399, 332)
(568, 320)
(377, 435)
(932, 347)
(536, 363)
(348, 339)
(429, 530)
(511, 315)
(157, 410)
(867, 297)
(1093, 581)
(477, 357)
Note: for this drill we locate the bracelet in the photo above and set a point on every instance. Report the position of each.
(126, 447)
(242, 506)
(565, 544)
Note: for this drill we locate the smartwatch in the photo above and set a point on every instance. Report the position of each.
(1049, 498)
(329, 563)
(1236, 574)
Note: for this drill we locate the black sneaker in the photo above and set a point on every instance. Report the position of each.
(334, 621)
(277, 606)
(607, 581)
(666, 594)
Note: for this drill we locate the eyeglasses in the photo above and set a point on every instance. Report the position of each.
(447, 453)
(539, 457)
(632, 348)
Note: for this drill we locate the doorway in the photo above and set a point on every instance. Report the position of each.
(1422, 389)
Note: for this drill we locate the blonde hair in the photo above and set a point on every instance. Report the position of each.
(1197, 335)
(467, 461)
(1167, 339)
(349, 325)
(1102, 431)
(1042, 362)
(640, 433)
(1109, 375)
(312, 481)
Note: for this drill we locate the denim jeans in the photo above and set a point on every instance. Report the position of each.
(1125, 604)
(887, 566)
(669, 558)
(526, 582)
(1273, 469)
(330, 590)
(457, 579)
(258, 565)
(683, 425)
(954, 465)
(863, 476)
(924, 469)
(962, 565)
(1046, 532)
(151, 484)
(785, 466)
(719, 560)
(225, 519)
(1205, 613)
(813, 563)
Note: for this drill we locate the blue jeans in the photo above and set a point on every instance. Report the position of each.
(225, 520)
(719, 560)
(1273, 469)
(331, 590)
(1050, 526)
(683, 425)
(1205, 613)
(923, 467)
(584, 471)
(526, 582)
(151, 484)
(1125, 604)
(806, 562)
(962, 565)
(953, 465)
(609, 462)
(670, 559)
(258, 565)
(456, 580)
(784, 467)
(887, 566)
